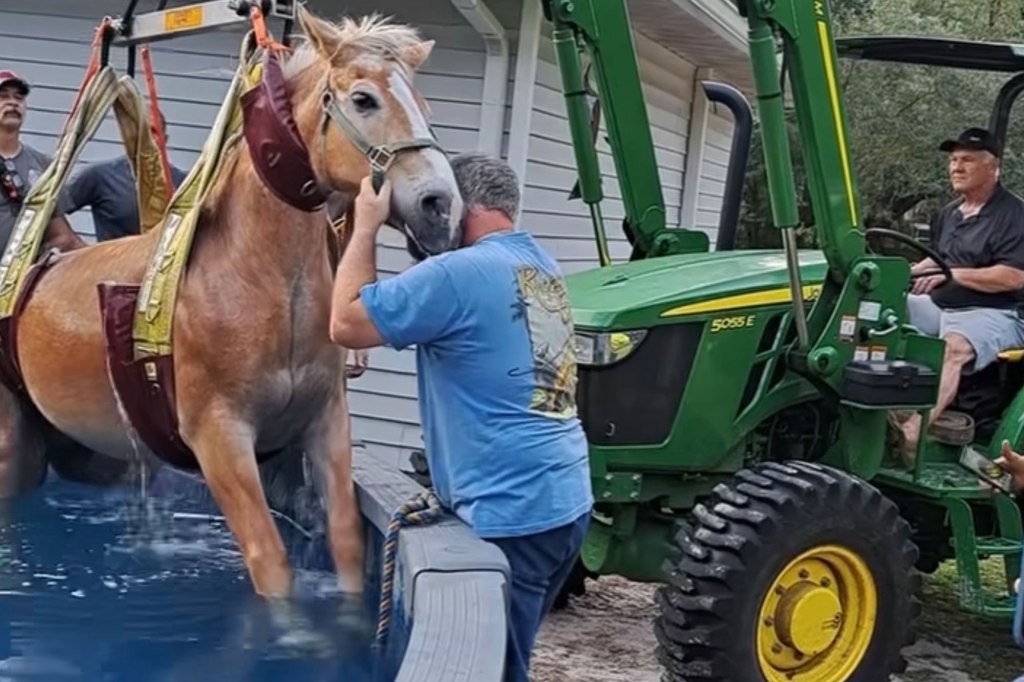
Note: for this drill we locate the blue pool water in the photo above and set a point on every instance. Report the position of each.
(97, 586)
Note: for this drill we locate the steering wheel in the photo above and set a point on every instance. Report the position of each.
(943, 267)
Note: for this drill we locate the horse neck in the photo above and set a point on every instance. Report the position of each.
(255, 233)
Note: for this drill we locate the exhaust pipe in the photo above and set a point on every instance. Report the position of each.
(728, 220)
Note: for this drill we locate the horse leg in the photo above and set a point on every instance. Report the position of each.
(330, 448)
(23, 462)
(224, 447)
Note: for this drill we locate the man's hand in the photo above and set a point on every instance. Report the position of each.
(372, 209)
(1013, 464)
(357, 362)
(925, 284)
(923, 266)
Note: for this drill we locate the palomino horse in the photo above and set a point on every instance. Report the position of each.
(254, 371)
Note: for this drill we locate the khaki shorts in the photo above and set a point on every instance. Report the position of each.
(988, 330)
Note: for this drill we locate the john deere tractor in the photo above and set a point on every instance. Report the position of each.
(736, 402)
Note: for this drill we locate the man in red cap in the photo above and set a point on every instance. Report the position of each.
(21, 165)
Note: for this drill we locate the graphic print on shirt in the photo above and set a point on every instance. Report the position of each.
(544, 306)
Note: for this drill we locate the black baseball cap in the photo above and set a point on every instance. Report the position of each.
(977, 139)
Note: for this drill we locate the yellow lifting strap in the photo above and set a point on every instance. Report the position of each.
(153, 323)
(151, 189)
(101, 91)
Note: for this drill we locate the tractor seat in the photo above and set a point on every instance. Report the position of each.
(1011, 355)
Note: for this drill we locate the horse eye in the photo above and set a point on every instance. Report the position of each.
(364, 103)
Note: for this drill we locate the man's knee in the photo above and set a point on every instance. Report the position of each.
(959, 351)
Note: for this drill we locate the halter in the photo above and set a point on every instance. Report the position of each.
(279, 154)
(380, 156)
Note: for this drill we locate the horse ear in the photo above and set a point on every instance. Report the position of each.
(321, 34)
(416, 54)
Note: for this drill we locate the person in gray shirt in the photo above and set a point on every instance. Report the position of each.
(108, 187)
(21, 165)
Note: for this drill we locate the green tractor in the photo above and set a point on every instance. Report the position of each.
(736, 402)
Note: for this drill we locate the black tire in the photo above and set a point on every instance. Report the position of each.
(745, 534)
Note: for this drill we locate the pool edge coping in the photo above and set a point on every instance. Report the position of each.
(454, 585)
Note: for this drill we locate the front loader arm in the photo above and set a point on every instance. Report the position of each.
(809, 51)
(602, 29)
(860, 312)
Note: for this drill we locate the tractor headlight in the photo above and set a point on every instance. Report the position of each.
(606, 348)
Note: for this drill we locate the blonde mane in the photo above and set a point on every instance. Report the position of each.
(373, 34)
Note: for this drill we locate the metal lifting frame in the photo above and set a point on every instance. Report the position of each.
(164, 24)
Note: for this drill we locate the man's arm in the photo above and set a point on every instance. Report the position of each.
(60, 235)
(991, 280)
(350, 323)
(78, 192)
(417, 306)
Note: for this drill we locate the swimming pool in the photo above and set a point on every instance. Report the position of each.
(94, 585)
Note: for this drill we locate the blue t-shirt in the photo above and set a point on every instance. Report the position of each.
(497, 382)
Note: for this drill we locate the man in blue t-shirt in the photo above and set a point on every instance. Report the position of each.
(496, 369)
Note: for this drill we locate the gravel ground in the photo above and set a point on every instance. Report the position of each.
(606, 636)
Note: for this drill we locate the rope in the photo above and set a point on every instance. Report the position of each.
(420, 510)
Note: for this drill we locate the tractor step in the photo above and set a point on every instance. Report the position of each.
(998, 546)
(937, 480)
(970, 548)
(963, 494)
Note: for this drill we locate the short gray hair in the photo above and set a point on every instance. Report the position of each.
(488, 183)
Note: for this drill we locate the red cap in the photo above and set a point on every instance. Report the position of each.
(8, 76)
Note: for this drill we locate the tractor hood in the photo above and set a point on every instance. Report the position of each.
(643, 293)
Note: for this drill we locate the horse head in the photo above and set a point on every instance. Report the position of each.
(359, 114)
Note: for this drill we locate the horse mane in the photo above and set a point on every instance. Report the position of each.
(373, 34)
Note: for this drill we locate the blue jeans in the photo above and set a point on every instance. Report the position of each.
(539, 565)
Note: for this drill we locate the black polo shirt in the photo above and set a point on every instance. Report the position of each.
(992, 236)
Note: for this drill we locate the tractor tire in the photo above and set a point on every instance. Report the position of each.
(780, 577)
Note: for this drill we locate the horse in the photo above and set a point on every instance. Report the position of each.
(255, 371)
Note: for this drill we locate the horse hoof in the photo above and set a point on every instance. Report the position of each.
(354, 620)
(305, 643)
(298, 638)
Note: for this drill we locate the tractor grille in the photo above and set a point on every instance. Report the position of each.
(635, 401)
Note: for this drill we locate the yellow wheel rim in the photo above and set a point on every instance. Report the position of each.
(818, 617)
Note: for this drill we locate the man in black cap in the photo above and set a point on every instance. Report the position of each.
(21, 165)
(980, 235)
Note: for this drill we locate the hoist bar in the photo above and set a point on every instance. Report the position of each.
(175, 22)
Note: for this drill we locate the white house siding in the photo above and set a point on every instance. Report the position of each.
(711, 185)
(564, 226)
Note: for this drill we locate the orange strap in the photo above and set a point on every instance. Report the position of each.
(90, 69)
(259, 27)
(154, 117)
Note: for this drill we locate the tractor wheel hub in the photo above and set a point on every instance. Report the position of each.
(808, 618)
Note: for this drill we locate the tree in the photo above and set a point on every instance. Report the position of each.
(898, 114)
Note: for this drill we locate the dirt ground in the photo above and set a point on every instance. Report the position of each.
(606, 636)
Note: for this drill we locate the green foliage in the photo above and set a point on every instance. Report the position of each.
(898, 114)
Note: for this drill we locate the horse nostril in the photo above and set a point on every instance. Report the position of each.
(436, 205)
